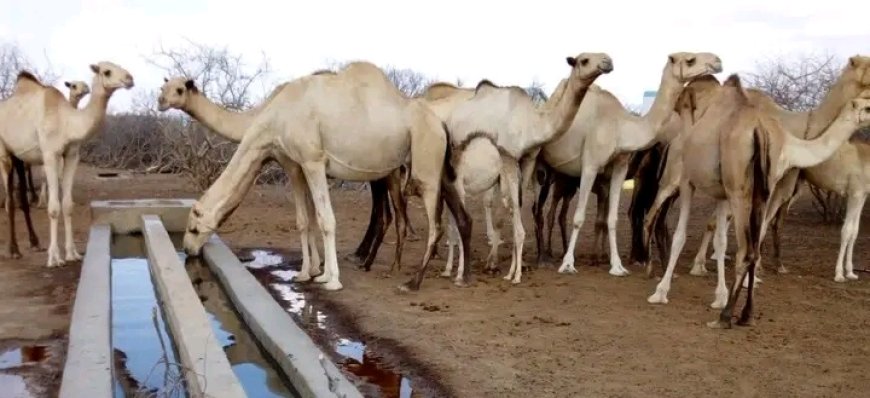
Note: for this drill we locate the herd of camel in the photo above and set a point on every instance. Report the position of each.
(731, 143)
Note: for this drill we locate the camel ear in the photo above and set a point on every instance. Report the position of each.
(853, 61)
(67, 84)
(165, 80)
(671, 59)
(190, 85)
(571, 61)
(95, 69)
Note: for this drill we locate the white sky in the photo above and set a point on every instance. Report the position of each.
(506, 43)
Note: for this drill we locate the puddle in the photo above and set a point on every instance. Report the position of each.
(14, 386)
(357, 358)
(23, 356)
(254, 368)
(141, 361)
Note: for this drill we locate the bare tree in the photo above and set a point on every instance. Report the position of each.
(536, 91)
(799, 83)
(12, 61)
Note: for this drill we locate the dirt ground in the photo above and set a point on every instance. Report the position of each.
(588, 334)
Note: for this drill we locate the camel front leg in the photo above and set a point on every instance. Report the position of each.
(617, 178)
(20, 171)
(71, 162)
(586, 181)
(493, 232)
(848, 234)
(8, 180)
(664, 286)
(510, 178)
(651, 220)
(53, 165)
(300, 200)
(315, 173)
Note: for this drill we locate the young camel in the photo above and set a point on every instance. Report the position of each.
(25, 176)
(77, 91)
(182, 93)
(854, 78)
(305, 127)
(494, 129)
(603, 129)
(42, 128)
(736, 152)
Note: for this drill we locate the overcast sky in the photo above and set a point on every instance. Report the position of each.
(447, 39)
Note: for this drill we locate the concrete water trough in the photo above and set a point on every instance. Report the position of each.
(147, 320)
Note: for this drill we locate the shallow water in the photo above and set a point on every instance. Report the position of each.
(22, 356)
(140, 361)
(254, 368)
(275, 272)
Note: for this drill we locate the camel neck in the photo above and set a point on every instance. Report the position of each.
(89, 120)
(229, 124)
(663, 104)
(74, 101)
(818, 120)
(561, 115)
(808, 153)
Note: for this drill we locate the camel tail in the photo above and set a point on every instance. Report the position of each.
(760, 164)
(449, 171)
(650, 167)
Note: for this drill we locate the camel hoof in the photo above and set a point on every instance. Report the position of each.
(619, 272)
(852, 276)
(406, 287)
(839, 279)
(445, 274)
(754, 285)
(658, 298)
(744, 322)
(719, 304)
(516, 282)
(460, 283)
(15, 255)
(782, 270)
(37, 249)
(72, 257)
(491, 271)
(300, 277)
(323, 278)
(719, 325)
(698, 271)
(386, 274)
(332, 285)
(354, 259)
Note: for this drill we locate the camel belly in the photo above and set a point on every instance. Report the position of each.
(479, 166)
(366, 159)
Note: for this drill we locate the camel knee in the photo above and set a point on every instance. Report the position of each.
(326, 222)
(67, 206)
(53, 209)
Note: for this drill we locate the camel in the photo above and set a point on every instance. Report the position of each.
(498, 126)
(42, 128)
(851, 82)
(305, 127)
(611, 130)
(25, 177)
(181, 93)
(737, 152)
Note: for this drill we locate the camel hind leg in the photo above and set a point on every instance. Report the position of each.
(510, 177)
(315, 173)
(8, 183)
(20, 170)
(848, 234)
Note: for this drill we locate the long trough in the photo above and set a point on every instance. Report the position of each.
(90, 371)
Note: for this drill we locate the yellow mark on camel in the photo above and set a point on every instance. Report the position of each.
(628, 184)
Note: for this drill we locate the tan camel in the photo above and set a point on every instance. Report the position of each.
(497, 127)
(42, 128)
(735, 153)
(852, 81)
(603, 128)
(181, 93)
(306, 126)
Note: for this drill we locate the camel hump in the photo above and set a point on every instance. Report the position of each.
(323, 72)
(27, 81)
(439, 90)
(484, 83)
(734, 81)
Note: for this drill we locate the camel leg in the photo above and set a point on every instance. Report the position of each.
(460, 269)
(602, 197)
(381, 220)
(617, 178)
(20, 170)
(661, 294)
(565, 200)
(778, 220)
(43, 196)
(452, 240)
(664, 194)
(53, 164)
(699, 264)
(402, 222)
(31, 188)
(300, 198)
(70, 163)
(741, 209)
(315, 174)
(847, 236)
(538, 215)
(359, 255)
(493, 232)
(721, 224)
(586, 181)
(510, 177)
(8, 183)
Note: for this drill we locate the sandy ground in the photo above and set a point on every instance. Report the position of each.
(588, 334)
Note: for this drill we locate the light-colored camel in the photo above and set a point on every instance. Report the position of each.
(42, 128)
(323, 124)
(735, 153)
(77, 91)
(497, 127)
(603, 128)
(854, 79)
(181, 93)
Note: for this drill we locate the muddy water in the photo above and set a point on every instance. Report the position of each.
(275, 271)
(141, 363)
(255, 369)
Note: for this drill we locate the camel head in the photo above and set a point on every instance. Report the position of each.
(861, 110)
(77, 89)
(201, 223)
(176, 93)
(588, 66)
(111, 76)
(857, 72)
(685, 66)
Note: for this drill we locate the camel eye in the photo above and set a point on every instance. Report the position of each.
(690, 61)
(179, 91)
(584, 61)
(107, 73)
(867, 109)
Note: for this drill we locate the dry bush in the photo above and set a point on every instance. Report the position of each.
(12, 61)
(799, 83)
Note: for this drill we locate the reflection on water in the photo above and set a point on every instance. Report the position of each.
(139, 360)
(257, 374)
(13, 386)
(275, 272)
(24, 355)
